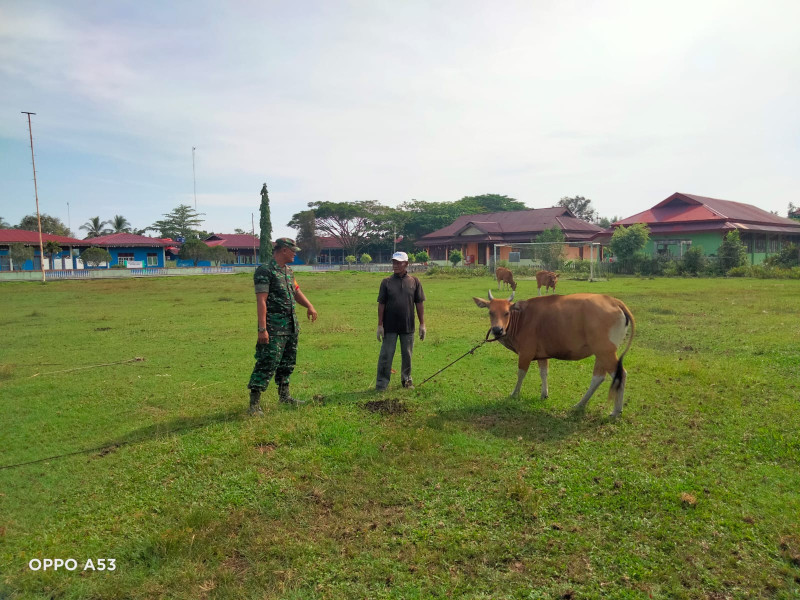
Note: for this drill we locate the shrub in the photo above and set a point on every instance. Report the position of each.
(20, 253)
(786, 258)
(694, 261)
(350, 259)
(628, 241)
(365, 259)
(422, 257)
(455, 257)
(94, 256)
(732, 252)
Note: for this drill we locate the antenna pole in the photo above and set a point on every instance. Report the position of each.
(194, 181)
(36, 193)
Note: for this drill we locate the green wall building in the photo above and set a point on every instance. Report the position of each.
(684, 220)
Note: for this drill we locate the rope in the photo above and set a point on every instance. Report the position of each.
(485, 341)
(119, 362)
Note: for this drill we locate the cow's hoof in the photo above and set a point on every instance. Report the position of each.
(578, 408)
(614, 415)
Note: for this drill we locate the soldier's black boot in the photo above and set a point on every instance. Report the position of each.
(255, 404)
(284, 397)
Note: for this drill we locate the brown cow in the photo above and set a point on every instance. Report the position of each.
(568, 327)
(505, 276)
(549, 279)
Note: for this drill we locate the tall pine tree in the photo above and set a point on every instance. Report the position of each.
(265, 249)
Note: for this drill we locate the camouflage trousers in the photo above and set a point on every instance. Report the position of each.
(275, 358)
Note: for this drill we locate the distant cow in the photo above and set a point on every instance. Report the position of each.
(549, 279)
(568, 327)
(505, 276)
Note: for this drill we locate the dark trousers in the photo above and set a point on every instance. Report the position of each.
(387, 355)
(275, 358)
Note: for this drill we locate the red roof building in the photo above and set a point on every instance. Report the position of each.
(682, 220)
(476, 235)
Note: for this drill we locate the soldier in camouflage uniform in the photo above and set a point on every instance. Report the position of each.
(278, 327)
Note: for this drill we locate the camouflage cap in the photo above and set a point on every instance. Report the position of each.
(285, 242)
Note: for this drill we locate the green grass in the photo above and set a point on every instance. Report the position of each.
(459, 491)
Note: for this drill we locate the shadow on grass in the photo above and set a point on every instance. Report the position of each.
(148, 433)
(510, 418)
(177, 425)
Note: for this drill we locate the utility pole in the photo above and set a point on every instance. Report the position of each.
(36, 193)
(194, 181)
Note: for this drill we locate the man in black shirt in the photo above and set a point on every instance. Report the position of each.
(397, 298)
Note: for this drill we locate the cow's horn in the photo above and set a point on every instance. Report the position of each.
(512, 297)
(490, 295)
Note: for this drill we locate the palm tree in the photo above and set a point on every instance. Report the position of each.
(4, 224)
(94, 227)
(120, 224)
(52, 248)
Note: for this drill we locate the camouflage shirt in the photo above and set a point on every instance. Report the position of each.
(280, 284)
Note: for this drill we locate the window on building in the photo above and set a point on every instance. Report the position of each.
(437, 253)
(773, 244)
(152, 259)
(5, 263)
(123, 256)
(761, 244)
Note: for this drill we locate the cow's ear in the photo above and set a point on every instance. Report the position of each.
(518, 306)
(481, 302)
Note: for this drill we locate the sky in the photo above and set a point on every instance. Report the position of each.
(623, 102)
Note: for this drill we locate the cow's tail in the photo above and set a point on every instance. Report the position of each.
(618, 374)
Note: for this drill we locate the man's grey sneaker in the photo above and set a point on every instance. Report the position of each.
(408, 384)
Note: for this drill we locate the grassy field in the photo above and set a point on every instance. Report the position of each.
(453, 490)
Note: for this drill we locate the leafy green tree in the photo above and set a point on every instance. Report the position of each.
(94, 256)
(49, 225)
(51, 249)
(694, 260)
(181, 222)
(793, 212)
(365, 259)
(219, 255)
(581, 207)
(455, 257)
(94, 228)
(119, 224)
(307, 237)
(553, 253)
(605, 222)
(732, 252)
(422, 257)
(194, 249)
(352, 224)
(4, 224)
(20, 254)
(265, 241)
(239, 231)
(350, 259)
(488, 203)
(627, 241)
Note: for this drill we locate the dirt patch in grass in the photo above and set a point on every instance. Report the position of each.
(266, 447)
(790, 548)
(107, 451)
(390, 406)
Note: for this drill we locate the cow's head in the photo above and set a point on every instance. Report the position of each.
(513, 285)
(553, 280)
(499, 312)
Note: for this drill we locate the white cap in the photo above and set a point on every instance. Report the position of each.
(401, 256)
